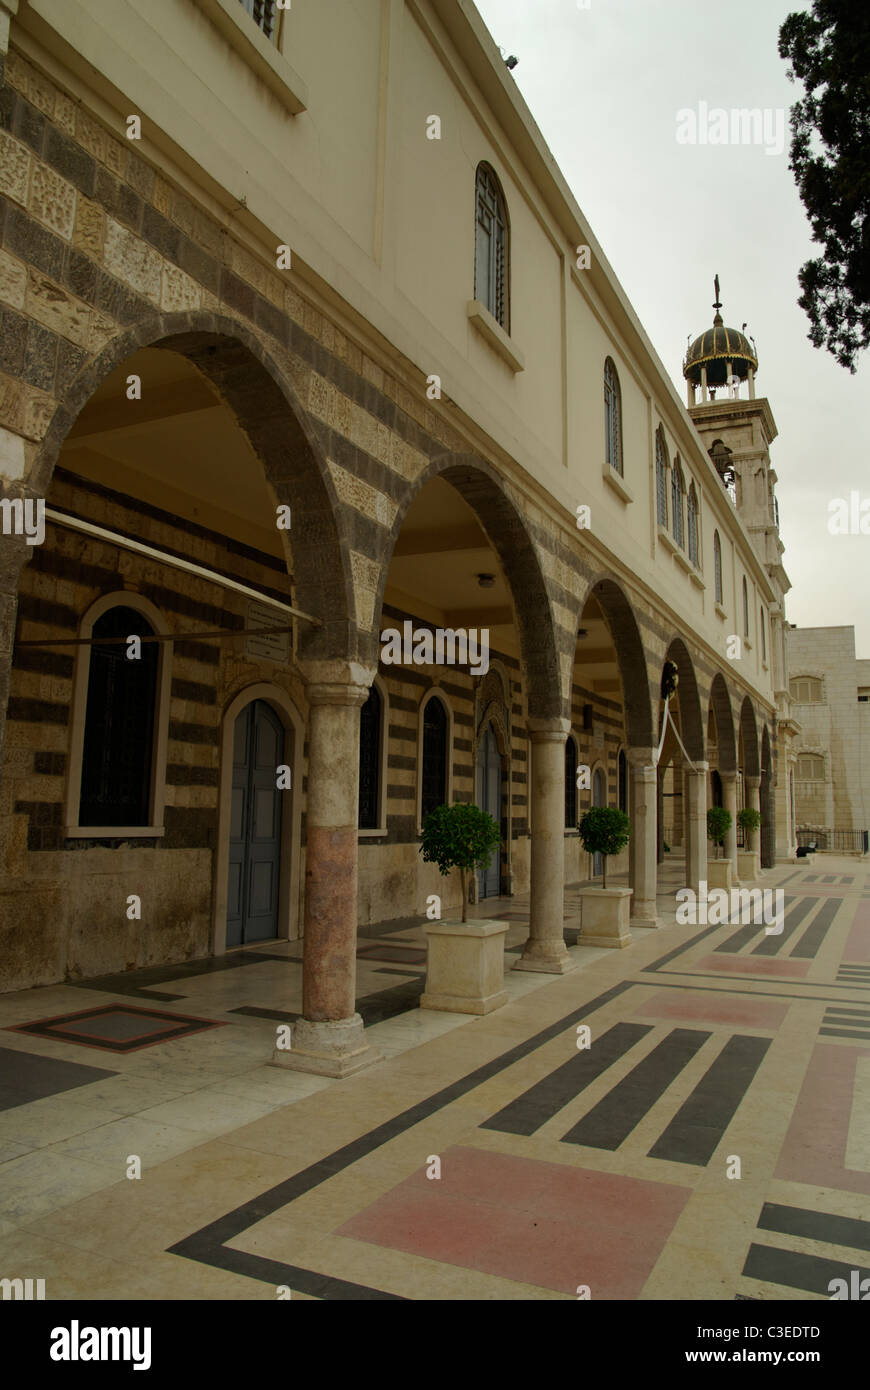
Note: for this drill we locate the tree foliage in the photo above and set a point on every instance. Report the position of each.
(459, 837)
(604, 830)
(750, 819)
(828, 51)
(718, 824)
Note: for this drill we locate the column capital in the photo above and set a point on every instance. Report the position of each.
(339, 671)
(752, 781)
(699, 770)
(727, 777)
(336, 693)
(553, 730)
(641, 757)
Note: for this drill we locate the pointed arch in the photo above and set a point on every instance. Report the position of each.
(692, 722)
(723, 714)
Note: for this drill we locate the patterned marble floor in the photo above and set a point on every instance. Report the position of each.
(711, 1141)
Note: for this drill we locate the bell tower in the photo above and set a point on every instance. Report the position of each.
(737, 429)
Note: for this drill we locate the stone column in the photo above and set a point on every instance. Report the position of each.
(545, 949)
(695, 788)
(329, 1038)
(750, 860)
(642, 846)
(729, 801)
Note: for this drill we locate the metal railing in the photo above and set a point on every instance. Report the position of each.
(835, 841)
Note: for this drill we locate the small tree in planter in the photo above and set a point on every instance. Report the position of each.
(718, 825)
(460, 837)
(604, 830)
(465, 960)
(750, 819)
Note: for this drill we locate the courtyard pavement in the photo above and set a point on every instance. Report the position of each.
(713, 1141)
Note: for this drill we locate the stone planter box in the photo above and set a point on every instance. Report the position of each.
(719, 874)
(465, 967)
(604, 917)
(749, 865)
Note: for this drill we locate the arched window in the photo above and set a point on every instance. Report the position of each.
(692, 523)
(677, 490)
(491, 247)
(119, 723)
(763, 635)
(622, 780)
(433, 771)
(570, 783)
(661, 479)
(717, 567)
(745, 608)
(806, 690)
(371, 720)
(612, 417)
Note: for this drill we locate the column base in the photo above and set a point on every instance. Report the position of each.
(644, 919)
(335, 1048)
(546, 957)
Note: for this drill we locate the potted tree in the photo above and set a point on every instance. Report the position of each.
(604, 830)
(748, 859)
(465, 960)
(718, 869)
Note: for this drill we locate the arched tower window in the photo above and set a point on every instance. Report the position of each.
(677, 491)
(612, 417)
(491, 247)
(370, 736)
(745, 608)
(661, 479)
(692, 523)
(717, 567)
(119, 725)
(434, 759)
(570, 783)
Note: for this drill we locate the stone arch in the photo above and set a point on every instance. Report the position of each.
(692, 724)
(749, 735)
(767, 801)
(633, 668)
(483, 489)
(267, 409)
(720, 705)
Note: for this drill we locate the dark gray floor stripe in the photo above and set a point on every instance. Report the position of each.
(547, 1097)
(829, 878)
(796, 908)
(611, 1121)
(843, 1033)
(772, 945)
(811, 878)
(699, 1124)
(209, 1244)
(856, 1011)
(680, 950)
(815, 1225)
(807, 947)
(795, 1270)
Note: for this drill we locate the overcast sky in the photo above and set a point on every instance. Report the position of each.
(605, 85)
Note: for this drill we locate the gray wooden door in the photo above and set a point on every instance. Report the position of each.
(599, 798)
(255, 826)
(489, 799)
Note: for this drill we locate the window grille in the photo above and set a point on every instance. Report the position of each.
(434, 772)
(612, 418)
(370, 760)
(119, 724)
(490, 247)
(262, 12)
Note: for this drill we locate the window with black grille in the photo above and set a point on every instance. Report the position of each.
(119, 724)
(491, 247)
(622, 781)
(262, 13)
(370, 760)
(434, 779)
(570, 784)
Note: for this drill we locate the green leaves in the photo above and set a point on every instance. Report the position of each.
(828, 50)
(718, 824)
(604, 830)
(459, 837)
(749, 818)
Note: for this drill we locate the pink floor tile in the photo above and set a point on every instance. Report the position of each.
(538, 1223)
(713, 1008)
(753, 965)
(815, 1146)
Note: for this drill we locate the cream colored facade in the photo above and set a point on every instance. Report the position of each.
(831, 700)
(418, 443)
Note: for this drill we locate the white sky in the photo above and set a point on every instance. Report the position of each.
(604, 85)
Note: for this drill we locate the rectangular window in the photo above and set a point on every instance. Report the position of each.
(262, 13)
